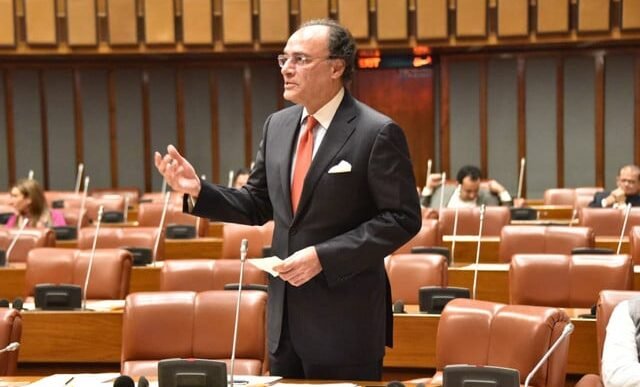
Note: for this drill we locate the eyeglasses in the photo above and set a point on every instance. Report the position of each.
(298, 59)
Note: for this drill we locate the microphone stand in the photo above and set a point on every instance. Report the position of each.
(244, 247)
(25, 221)
(475, 272)
(444, 179)
(79, 177)
(627, 210)
(455, 234)
(565, 332)
(93, 253)
(160, 228)
(83, 202)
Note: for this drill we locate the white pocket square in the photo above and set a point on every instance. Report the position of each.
(342, 167)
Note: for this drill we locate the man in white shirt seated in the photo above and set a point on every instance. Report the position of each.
(620, 365)
(467, 193)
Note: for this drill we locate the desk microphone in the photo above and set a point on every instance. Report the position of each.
(24, 223)
(156, 244)
(79, 177)
(30, 175)
(11, 347)
(565, 332)
(521, 177)
(244, 248)
(627, 210)
(429, 163)
(93, 253)
(475, 271)
(455, 233)
(444, 179)
(231, 176)
(83, 202)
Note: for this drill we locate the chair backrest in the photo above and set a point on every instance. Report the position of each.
(514, 336)
(71, 216)
(608, 221)
(495, 217)
(199, 275)
(10, 331)
(543, 240)
(232, 236)
(162, 325)
(559, 196)
(64, 196)
(566, 281)
(634, 244)
(122, 237)
(110, 273)
(29, 239)
(409, 272)
(429, 235)
(132, 193)
(150, 214)
(584, 196)
(92, 204)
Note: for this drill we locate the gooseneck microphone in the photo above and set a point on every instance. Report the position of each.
(429, 163)
(521, 177)
(79, 177)
(444, 180)
(11, 347)
(624, 226)
(156, 244)
(93, 254)
(83, 202)
(455, 233)
(475, 271)
(244, 247)
(565, 332)
(24, 223)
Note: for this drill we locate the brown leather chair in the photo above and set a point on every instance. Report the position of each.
(634, 244)
(61, 196)
(606, 303)
(514, 336)
(162, 325)
(110, 274)
(199, 275)
(608, 221)
(543, 240)
(233, 234)
(131, 193)
(29, 239)
(150, 214)
(559, 196)
(429, 235)
(92, 205)
(10, 331)
(566, 281)
(495, 218)
(409, 272)
(122, 237)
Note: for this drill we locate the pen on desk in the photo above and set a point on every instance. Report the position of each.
(68, 381)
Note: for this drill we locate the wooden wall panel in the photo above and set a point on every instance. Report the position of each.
(81, 23)
(513, 18)
(274, 21)
(197, 22)
(313, 9)
(553, 16)
(630, 14)
(431, 19)
(593, 15)
(354, 14)
(236, 21)
(40, 18)
(159, 24)
(7, 23)
(471, 18)
(123, 24)
(392, 19)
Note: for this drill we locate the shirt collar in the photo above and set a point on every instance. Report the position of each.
(325, 114)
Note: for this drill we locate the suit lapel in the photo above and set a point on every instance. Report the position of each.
(341, 128)
(286, 150)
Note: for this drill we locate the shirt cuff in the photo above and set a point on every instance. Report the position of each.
(603, 203)
(504, 196)
(426, 191)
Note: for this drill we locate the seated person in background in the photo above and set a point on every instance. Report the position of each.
(466, 194)
(620, 365)
(628, 191)
(27, 199)
(240, 177)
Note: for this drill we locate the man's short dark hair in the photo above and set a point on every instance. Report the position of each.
(341, 44)
(470, 171)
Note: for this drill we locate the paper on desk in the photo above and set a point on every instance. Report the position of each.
(266, 264)
(79, 380)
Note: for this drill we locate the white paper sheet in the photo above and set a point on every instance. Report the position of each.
(266, 264)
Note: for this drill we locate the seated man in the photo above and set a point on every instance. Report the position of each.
(628, 191)
(620, 365)
(466, 194)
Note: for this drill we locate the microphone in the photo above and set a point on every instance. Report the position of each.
(93, 253)
(521, 177)
(79, 177)
(83, 202)
(444, 179)
(475, 271)
(11, 347)
(24, 223)
(30, 175)
(244, 247)
(231, 175)
(429, 163)
(167, 195)
(123, 381)
(565, 332)
(627, 210)
(125, 212)
(455, 232)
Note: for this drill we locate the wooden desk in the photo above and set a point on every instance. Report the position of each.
(553, 212)
(206, 247)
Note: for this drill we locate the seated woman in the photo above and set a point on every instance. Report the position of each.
(27, 198)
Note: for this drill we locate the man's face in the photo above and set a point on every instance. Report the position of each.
(469, 189)
(629, 181)
(309, 73)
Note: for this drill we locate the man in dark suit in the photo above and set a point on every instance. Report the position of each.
(628, 191)
(336, 177)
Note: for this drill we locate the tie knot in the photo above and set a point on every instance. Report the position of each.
(311, 123)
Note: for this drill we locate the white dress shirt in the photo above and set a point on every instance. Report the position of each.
(620, 365)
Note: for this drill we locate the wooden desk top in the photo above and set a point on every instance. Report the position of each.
(205, 247)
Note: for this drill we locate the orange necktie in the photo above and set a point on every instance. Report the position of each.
(303, 161)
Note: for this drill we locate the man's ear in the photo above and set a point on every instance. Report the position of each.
(337, 68)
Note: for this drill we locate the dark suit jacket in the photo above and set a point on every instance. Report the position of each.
(597, 199)
(354, 219)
